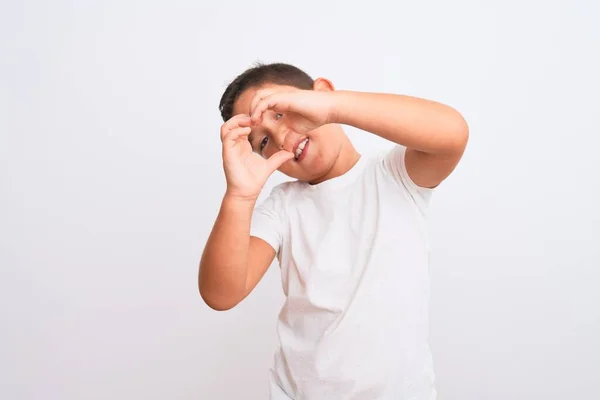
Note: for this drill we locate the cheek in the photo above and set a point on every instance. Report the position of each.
(269, 150)
(286, 169)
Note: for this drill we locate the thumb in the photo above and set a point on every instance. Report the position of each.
(277, 159)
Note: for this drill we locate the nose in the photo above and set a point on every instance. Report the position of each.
(286, 139)
(282, 136)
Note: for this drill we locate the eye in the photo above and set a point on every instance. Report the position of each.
(263, 143)
(278, 116)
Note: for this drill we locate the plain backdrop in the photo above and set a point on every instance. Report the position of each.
(111, 177)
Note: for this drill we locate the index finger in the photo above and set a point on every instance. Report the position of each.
(240, 120)
(277, 102)
(258, 96)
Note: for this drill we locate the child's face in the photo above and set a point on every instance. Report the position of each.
(320, 152)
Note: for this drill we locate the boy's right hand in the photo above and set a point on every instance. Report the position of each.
(245, 171)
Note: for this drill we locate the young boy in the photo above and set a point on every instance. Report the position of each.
(348, 232)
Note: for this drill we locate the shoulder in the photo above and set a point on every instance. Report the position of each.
(286, 190)
(391, 164)
(280, 195)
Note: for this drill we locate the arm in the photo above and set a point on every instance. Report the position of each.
(233, 262)
(435, 134)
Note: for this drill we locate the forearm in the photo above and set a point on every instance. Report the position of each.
(419, 124)
(224, 263)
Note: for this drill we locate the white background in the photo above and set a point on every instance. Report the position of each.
(111, 179)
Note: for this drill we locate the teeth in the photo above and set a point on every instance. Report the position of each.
(301, 147)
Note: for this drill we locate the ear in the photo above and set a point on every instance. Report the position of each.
(323, 85)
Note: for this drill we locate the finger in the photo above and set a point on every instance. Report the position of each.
(258, 107)
(277, 102)
(277, 159)
(235, 122)
(258, 96)
(236, 133)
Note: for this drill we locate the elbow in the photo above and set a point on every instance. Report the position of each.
(462, 134)
(218, 305)
(458, 135)
(215, 301)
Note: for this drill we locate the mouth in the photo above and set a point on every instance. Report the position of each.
(300, 149)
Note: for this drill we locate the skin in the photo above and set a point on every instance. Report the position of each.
(280, 117)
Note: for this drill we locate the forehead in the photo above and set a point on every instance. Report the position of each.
(243, 102)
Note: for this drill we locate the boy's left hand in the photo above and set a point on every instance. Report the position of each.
(302, 110)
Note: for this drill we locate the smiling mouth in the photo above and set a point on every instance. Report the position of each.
(300, 149)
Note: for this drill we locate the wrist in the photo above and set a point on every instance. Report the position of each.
(235, 199)
(338, 106)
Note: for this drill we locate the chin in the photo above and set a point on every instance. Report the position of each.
(313, 168)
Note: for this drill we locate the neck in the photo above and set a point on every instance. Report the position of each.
(347, 158)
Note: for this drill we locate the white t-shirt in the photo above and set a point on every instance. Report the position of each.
(354, 264)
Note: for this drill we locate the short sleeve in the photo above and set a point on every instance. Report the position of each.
(394, 163)
(267, 221)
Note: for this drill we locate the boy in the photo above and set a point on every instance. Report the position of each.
(348, 232)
